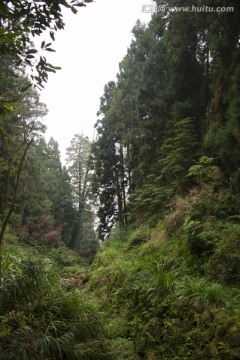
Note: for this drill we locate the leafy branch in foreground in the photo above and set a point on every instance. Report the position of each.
(21, 21)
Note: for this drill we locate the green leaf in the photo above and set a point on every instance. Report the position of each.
(9, 107)
(52, 35)
(74, 10)
(3, 31)
(56, 67)
(49, 49)
(26, 87)
(32, 51)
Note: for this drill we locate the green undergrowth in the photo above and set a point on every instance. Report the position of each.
(165, 292)
(171, 292)
(39, 317)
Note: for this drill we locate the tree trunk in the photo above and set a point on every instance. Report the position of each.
(7, 213)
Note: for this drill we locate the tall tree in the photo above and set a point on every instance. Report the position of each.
(53, 205)
(111, 174)
(79, 169)
(18, 129)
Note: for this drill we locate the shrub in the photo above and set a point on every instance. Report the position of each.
(65, 256)
(196, 244)
(122, 349)
(175, 219)
(137, 237)
(223, 265)
(214, 205)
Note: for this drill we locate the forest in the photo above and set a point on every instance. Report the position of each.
(131, 248)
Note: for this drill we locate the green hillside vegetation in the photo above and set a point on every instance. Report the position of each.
(172, 291)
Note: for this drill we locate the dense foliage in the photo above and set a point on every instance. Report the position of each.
(161, 298)
(40, 318)
(175, 99)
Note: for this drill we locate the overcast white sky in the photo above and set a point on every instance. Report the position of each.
(89, 51)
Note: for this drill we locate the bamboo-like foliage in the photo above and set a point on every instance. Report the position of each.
(39, 318)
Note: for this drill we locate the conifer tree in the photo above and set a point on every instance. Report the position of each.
(83, 238)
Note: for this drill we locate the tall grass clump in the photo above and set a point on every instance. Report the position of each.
(39, 319)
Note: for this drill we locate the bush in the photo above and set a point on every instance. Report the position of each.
(122, 349)
(196, 243)
(208, 204)
(65, 256)
(137, 237)
(175, 219)
(223, 265)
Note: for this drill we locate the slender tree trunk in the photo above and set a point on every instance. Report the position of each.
(207, 74)
(123, 187)
(119, 200)
(129, 171)
(7, 213)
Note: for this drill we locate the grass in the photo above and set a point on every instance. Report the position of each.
(38, 316)
(169, 291)
(158, 301)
